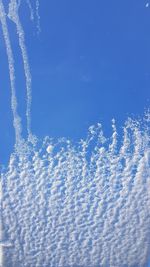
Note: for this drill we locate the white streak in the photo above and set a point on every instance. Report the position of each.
(31, 9)
(16, 118)
(38, 16)
(14, 16)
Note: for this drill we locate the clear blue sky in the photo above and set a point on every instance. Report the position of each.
(90, 63)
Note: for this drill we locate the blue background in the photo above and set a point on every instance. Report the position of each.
(90, 63)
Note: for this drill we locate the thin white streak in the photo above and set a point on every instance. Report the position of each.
(31, 9)
(38, 16)
(14, 16)
(16, 118)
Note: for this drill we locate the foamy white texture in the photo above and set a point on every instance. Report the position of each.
(79, 205)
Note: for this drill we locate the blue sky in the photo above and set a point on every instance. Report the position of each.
(96, 62)
(90, 63)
